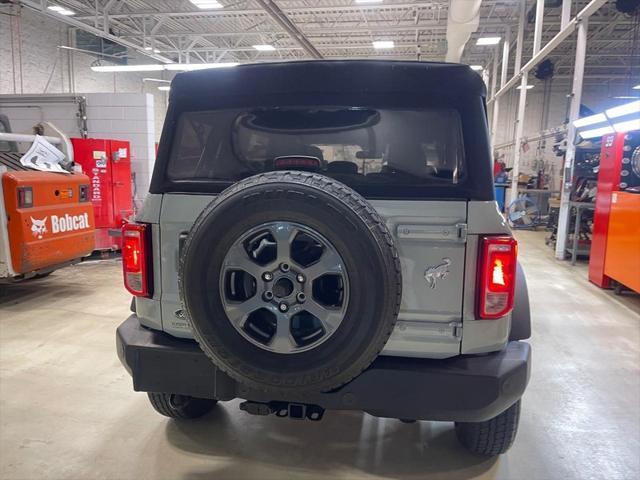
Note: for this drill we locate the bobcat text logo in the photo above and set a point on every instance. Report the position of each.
(69, 223)
(433, 274)
(38, 227)
(59, 224)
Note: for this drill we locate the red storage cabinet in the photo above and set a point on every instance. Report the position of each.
(108, 164)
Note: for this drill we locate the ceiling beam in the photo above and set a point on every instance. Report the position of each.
(289, 10)
(40, 8)
(279, 17)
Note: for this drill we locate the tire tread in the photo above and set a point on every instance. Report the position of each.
(194, 408)
(491, 437)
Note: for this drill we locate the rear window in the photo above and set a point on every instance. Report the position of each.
(365, 148)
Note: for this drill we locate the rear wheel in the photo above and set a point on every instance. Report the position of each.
(493, 436)
(180, 406)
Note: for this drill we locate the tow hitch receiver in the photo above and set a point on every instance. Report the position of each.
(298, 411)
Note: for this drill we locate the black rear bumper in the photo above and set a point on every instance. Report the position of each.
(465, 388)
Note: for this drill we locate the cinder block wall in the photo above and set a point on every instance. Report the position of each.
(127, 116)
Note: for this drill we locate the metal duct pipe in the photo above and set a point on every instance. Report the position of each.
(462, 21)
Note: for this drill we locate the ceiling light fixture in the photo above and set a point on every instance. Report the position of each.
(529, 87)
(637, 87)
(157, 67)
(477, 68)
(127, 68)
(596, 132)
(626, 109)
(383, 44)
(164, 88)
(628, 126)
(148, 48)
(207, 4)
(187, 67)
(264, 48)
(61, 10)
(590, 120)
(488, 41)
(160, 80)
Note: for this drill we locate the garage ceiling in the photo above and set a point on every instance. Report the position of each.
(303, 29)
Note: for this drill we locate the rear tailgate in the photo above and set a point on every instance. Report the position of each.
(57, 226)
(431, 240)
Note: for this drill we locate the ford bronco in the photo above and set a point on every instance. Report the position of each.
(324, 236)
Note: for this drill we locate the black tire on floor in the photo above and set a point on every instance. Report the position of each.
(42, 275)
(491, 437)
(180, 406)
(357, 233)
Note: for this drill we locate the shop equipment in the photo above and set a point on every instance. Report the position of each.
(46, 218)
(615, 250)
(108, 164)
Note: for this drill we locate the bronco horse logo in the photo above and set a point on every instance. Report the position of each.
(38, 227)
(433, 274)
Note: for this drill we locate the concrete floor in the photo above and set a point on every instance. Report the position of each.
(67, 410)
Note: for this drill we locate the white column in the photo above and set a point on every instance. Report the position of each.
(517, 151)
(537, 32)
(494, 106)
(574, 114)
(494, 73)
(520, 38)
(505, 57)
(565, 16)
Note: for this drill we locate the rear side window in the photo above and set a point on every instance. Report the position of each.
(363, 147)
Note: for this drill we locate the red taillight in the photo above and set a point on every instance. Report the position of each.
(496, 276)
(135, 259)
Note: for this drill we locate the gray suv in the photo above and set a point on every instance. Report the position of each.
(324, 236)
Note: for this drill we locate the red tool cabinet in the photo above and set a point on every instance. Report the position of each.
(108, 165)
(614, 247)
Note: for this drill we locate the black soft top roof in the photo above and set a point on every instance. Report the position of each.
(340, 76)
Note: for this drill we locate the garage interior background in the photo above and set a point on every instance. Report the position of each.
(40, 56)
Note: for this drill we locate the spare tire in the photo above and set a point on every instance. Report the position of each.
(291, 282)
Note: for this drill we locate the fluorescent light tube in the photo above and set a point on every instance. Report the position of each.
(477, 68)
(488, 41)
(596, 132)
(183, 67)
(61, 10)
(583, 122)
(264, 48)
(626, 109)
(383, 44)
(628, 126)
(164, 88)
(207, 4)
(128, 68)
(529, 87)
(197, 66)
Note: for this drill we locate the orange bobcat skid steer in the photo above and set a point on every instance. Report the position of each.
(47, 220)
